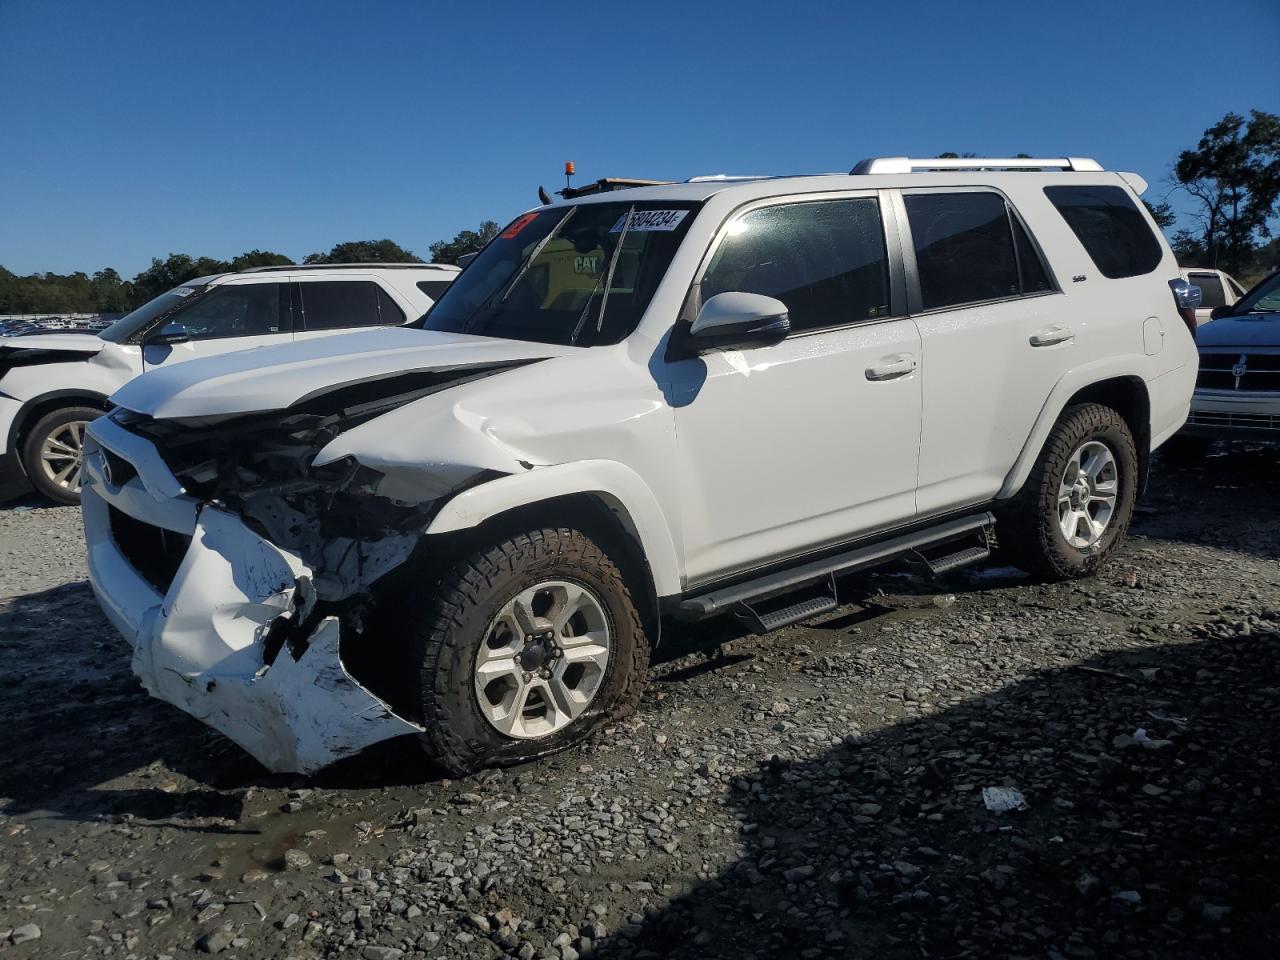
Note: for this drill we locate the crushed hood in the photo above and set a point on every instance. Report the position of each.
(1250, 330)
(273, 378)
(85, 343)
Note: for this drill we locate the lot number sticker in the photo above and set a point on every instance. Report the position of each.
(651, 221)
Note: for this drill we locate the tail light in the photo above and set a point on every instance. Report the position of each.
(1187, 297)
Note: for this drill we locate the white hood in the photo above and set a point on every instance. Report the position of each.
(272, 378)
(76, 342)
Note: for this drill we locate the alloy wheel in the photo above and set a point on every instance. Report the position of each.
(542, 659)
(1087, 494)
(61, 455)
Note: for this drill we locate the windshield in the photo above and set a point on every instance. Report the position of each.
(1264, 297)
(580, 275)
(131, 323)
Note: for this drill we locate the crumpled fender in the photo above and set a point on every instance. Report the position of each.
(622, 489)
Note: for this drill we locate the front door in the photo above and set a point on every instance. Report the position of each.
(816, 439)
(232, 316)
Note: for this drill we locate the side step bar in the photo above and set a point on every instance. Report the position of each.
(741, 598)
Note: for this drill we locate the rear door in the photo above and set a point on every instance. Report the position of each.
(324, 307)
(232, 316)
(992, 336)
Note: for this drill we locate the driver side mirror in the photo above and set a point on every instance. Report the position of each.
(170, 333)
(739, 321)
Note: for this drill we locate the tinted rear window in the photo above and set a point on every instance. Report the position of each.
(1111, 227)
(335, 304)
(1211, 292)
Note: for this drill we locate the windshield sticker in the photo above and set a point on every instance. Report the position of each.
(651, 221)
(518, 224)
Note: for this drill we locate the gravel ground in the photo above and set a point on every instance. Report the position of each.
(817, 792)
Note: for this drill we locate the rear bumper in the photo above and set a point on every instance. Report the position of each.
(199, 602)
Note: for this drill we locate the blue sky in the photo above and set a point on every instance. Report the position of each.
(134, 129)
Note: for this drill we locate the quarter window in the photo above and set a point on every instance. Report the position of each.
(335, 304)
(389, 311)
(824, 259)
(433, 288)
(1110, 227)
(965, 250)
(235, 310)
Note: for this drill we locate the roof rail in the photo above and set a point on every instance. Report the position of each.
(914, 164)
(347, 266)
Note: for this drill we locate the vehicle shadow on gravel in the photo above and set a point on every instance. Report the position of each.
(1164, 843)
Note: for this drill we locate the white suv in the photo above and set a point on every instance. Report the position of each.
(684, 400)
(52, 384)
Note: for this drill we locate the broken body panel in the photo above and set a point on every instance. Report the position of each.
(303, 483)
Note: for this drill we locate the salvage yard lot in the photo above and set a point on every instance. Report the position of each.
(816, 792)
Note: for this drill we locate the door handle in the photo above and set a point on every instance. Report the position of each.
(892, 367)
(1051, 335)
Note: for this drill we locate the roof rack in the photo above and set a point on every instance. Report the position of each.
(913, 164)
(347, 266)
(605, 184)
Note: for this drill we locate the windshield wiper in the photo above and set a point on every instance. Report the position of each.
(525, 264)
(604, 301)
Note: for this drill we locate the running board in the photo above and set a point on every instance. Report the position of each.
(764, 621)
(750, 592)
(961, 558)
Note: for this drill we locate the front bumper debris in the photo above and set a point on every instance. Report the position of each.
(209, 641)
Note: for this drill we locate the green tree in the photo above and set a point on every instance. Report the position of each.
(1234, 174)
(1162, 213)
(259, 258)
(365, 251)
(466, 241)
(166, 274)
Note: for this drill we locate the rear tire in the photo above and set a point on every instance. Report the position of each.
(1060, 525)
(489, 694)
(51, 453)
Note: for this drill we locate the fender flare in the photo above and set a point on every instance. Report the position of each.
(26, 415)
(621, 488)
(1071, 383)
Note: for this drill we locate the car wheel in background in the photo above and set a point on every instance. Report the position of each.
(51, 454)
(1074, 509)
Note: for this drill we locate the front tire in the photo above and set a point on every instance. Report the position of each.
(51, 454)
(528, 646)
(1074, 509)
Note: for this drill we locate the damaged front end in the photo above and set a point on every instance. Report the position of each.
(249, 579)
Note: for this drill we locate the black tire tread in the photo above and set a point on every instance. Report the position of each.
(1028, 538)
(466, 585)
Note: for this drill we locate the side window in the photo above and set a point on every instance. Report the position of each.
(433, 288)
(1110, 227)
(389, 312)
(965, 249)
(1211, 292)
(1236, 292)
(235, 310)
(1030, 266)
(336, 304)
(824, 259)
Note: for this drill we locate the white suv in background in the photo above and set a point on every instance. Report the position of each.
(1217, 289)
(685, 399)
(52, 384)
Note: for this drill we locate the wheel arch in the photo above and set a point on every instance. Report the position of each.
(609, 498)
(1125, 392)
(46, 403)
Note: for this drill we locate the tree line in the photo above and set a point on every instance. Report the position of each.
(1232, 175)
(107, 292)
